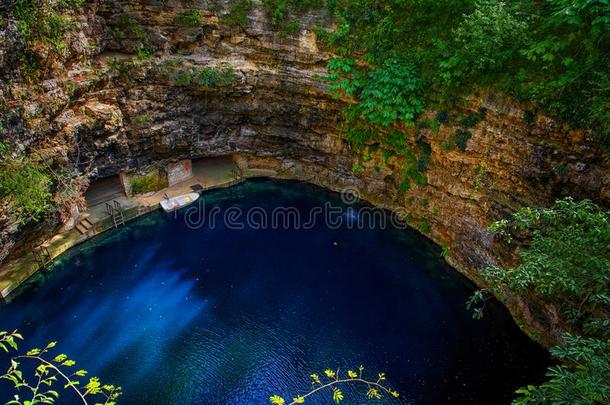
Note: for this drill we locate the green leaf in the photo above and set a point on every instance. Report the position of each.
(337, 395)
(59, 358)
(277, 400)
(373, 393)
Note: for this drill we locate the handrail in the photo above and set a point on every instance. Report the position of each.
(109, 209)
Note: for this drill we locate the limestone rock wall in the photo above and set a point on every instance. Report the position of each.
(109, 113)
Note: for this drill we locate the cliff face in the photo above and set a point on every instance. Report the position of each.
(109, 112)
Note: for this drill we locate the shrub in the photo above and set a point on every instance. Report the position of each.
(583, 377)
(189, 18)
(565, 263)
(442, 117)
(470, 121)
(424, 227)
(277, 10)
(291, 28)
(128, 28)
(142, 120)
(553, 52)
(390, 93)
(26, 185)
(425, 150)
(210, 76)
(458, 139)
(237, 15)
(205, 77)
(484, 41)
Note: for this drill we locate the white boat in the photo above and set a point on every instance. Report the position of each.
(172, 204)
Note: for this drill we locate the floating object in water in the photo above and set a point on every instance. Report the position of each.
(172, 204)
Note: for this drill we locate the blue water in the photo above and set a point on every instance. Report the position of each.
(177, 315)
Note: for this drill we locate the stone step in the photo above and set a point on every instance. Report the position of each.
(81, 228)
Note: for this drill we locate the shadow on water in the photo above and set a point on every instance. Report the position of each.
(215, 316)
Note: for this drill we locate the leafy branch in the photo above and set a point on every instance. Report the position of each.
(375, 388)
(48, 372)
(564, 262)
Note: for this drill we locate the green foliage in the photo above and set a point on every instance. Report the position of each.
(484, 41)
(555, 52)
(41, 23)
(571, 53)
(331, 380)
(144, 53)
(147, 183)
(458, 139)
(565, 263)
(26, 186)
(142, 120)
(49, 372)
(44, 21)
(478, 182)
(189, 18)
(390, 93)
(583, 377)
(425, 150)
(128, 28)
(383, 99)
(205, 77)
(424, 227)
(237, 16)
(470, 120)
(278, 10)
(290, 28)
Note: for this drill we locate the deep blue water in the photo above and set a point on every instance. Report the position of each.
(221, 316)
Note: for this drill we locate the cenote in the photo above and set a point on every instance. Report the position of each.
(213, 315)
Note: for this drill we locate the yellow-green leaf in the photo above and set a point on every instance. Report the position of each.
(277, 400)
(352, 374)
(315, 378)
(337, 395)
(372, 393)
(59, 358)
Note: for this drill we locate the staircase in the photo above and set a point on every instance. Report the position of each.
(237, 173)
(41, 255)
(84, 226)
(116, 211)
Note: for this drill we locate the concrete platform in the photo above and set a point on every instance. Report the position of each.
(210, 173)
